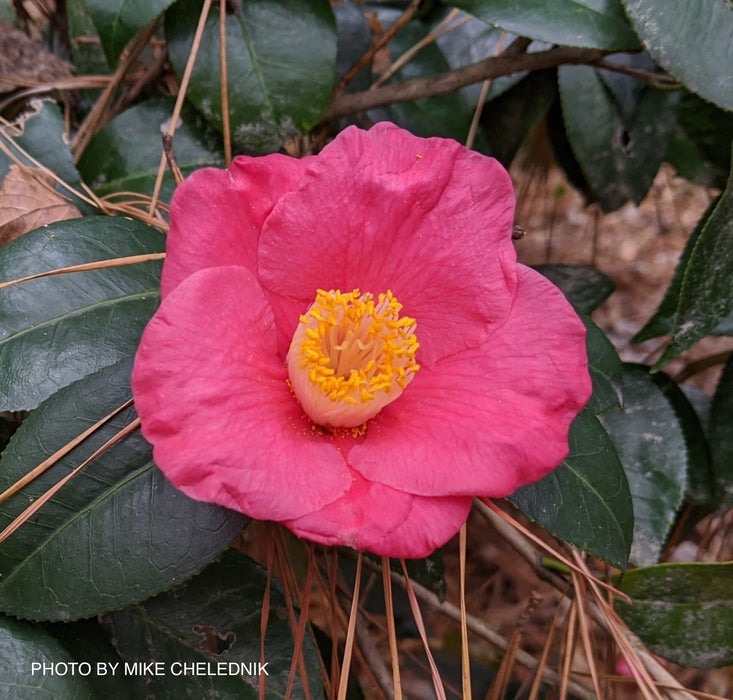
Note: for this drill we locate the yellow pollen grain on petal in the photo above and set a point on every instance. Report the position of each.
(351, 354)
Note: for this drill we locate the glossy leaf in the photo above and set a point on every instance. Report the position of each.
(281, 62)
(700, 470)
(215, 618)
(58, 329)
(586, 500)
(117, 21)
(593, 24)
(683, 612)
(118, 532)
(85, 641)
(125, 155)
(692, 40)
(618, 153)
(699, 147)
(508, 118)
(650, 445)
(354, 39)
(88, 56)
(663, 321)
(605, 369)
(21, 646)
(706, 293)
(721, 435)
(585, 287)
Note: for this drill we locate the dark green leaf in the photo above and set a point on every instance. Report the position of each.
(683, 612)
(354, 39)
(88, 56)
(57, 329)
(85, 641)
(663, 321)
(586, 500)
(21, 646)
(43, 136)
(650, 444)
(568, 22)
(618, 153)
(118, 532)
(605, 368)
(563, 151)
(126, 154)
(585, 287)
(428, 572)
(706, 293)
(700, 474)
(699, 146)
(446, 115)
(117, 21)
(721, 435)
(692, 40)
(507, 119)
(215, 618)
(281, 57)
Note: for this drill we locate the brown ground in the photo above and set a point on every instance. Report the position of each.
(637, 247)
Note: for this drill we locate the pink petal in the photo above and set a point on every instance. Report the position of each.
(375, 518)
(214, 402)
(217, 215)
(489, 419)
(383, 209)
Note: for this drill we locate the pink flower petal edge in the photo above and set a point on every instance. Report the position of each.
(503, 364)
(216, 215)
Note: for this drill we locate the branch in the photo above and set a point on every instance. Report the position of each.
(450, 81)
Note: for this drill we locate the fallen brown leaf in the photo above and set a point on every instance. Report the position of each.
(28, 201)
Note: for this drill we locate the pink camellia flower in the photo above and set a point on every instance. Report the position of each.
(347, 345)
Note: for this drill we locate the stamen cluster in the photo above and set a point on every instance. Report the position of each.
(351, 356)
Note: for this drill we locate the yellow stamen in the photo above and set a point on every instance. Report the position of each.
(351, 356)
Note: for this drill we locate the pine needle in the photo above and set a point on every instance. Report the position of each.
(59, 454)
(416, 614)
(226, 129)
(465, 657)
(181, 97)
(391, 632)
(349, 643)
(86, 267)
(48, 495)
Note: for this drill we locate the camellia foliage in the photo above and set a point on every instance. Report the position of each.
(201, 180)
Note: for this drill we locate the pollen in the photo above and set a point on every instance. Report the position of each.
(350, 356)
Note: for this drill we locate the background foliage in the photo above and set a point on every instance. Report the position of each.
(613, 89)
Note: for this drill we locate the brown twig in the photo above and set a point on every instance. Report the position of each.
(450, 81)
(658, 79)
(170, 156)
(702, 364)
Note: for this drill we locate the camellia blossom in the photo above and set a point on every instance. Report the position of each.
(347, 345)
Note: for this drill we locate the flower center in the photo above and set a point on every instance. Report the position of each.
(350, 356)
